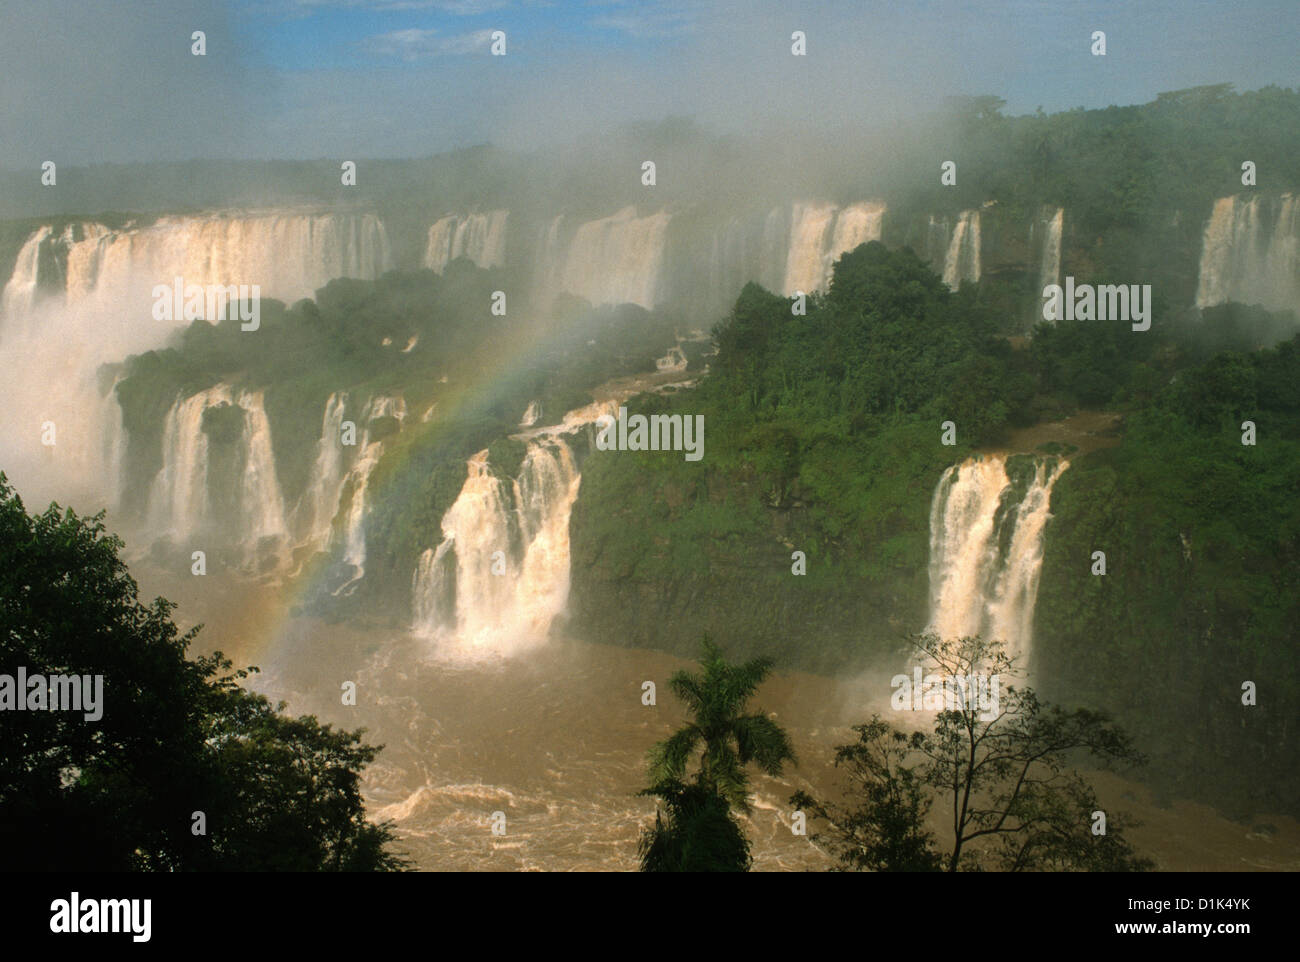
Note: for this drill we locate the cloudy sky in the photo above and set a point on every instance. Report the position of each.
(91, 81)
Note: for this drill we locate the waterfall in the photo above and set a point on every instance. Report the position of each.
(820, 234)
(219, 492)
(986, 547)
(810, 233)
(262, 506)
(319, 502)
(752, 247)
(1251, 253)
(500, 575)
(178, 502)
(961, 261)
(20, 292)
(615, 260)
(356, 484)
(673, 362)
(1049, 270)
(855, 225)
(82, 297)
(289, 255)
(479, 237)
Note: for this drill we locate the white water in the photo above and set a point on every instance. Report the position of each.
(673, 362)
(19, 295)
(479, 237)
(181, 502)
(1049, 270)
(615, 260)
(320, 500)
(962, 259)
(99, 311)
(356, 485)
(519, 527)
(184, 497)
(1251, 253)
(820, 234)
(986, 551)
(810, 235)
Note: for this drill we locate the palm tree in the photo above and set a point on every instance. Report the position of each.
(696, 832)
(728, 739)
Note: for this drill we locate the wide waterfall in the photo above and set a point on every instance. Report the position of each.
(500, 575)
(1251, 253)
(625, 257)
(615, 260)
(81, 297)
(289, 255)
(787, 249)
(987, 520)
(479, 237)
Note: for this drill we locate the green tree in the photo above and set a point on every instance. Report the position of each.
(699, 831)
(1002, 766)
(886, 832)
(177, 736)
(696, 833)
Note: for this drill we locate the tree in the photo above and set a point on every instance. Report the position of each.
(1000, 761)
(699, 832)
(887, 832)
(176, 736)
(730, 739)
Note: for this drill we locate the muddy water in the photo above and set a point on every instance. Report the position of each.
(556, 741)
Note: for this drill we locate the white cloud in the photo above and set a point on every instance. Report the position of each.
(415, 44)
(664, 18)
(458, 7)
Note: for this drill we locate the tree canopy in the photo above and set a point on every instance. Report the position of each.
(185, 769)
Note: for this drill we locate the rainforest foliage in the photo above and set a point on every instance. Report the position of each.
(184, 770)
(823, 436)
(465, 375)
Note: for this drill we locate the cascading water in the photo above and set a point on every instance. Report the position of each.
(961, 261)
(320, 500)
(855, 225)
(618, 259)
(20, 293)
(1251, 253)
(220, 492)
(810, 234)
(500, 575)
(1049, 269)
(82, 298)
(673, 362)
(820, 234)
(615, 260)
(479, 237)
(356, 484)
(986, 548)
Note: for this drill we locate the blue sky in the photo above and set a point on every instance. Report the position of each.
(113, 80)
